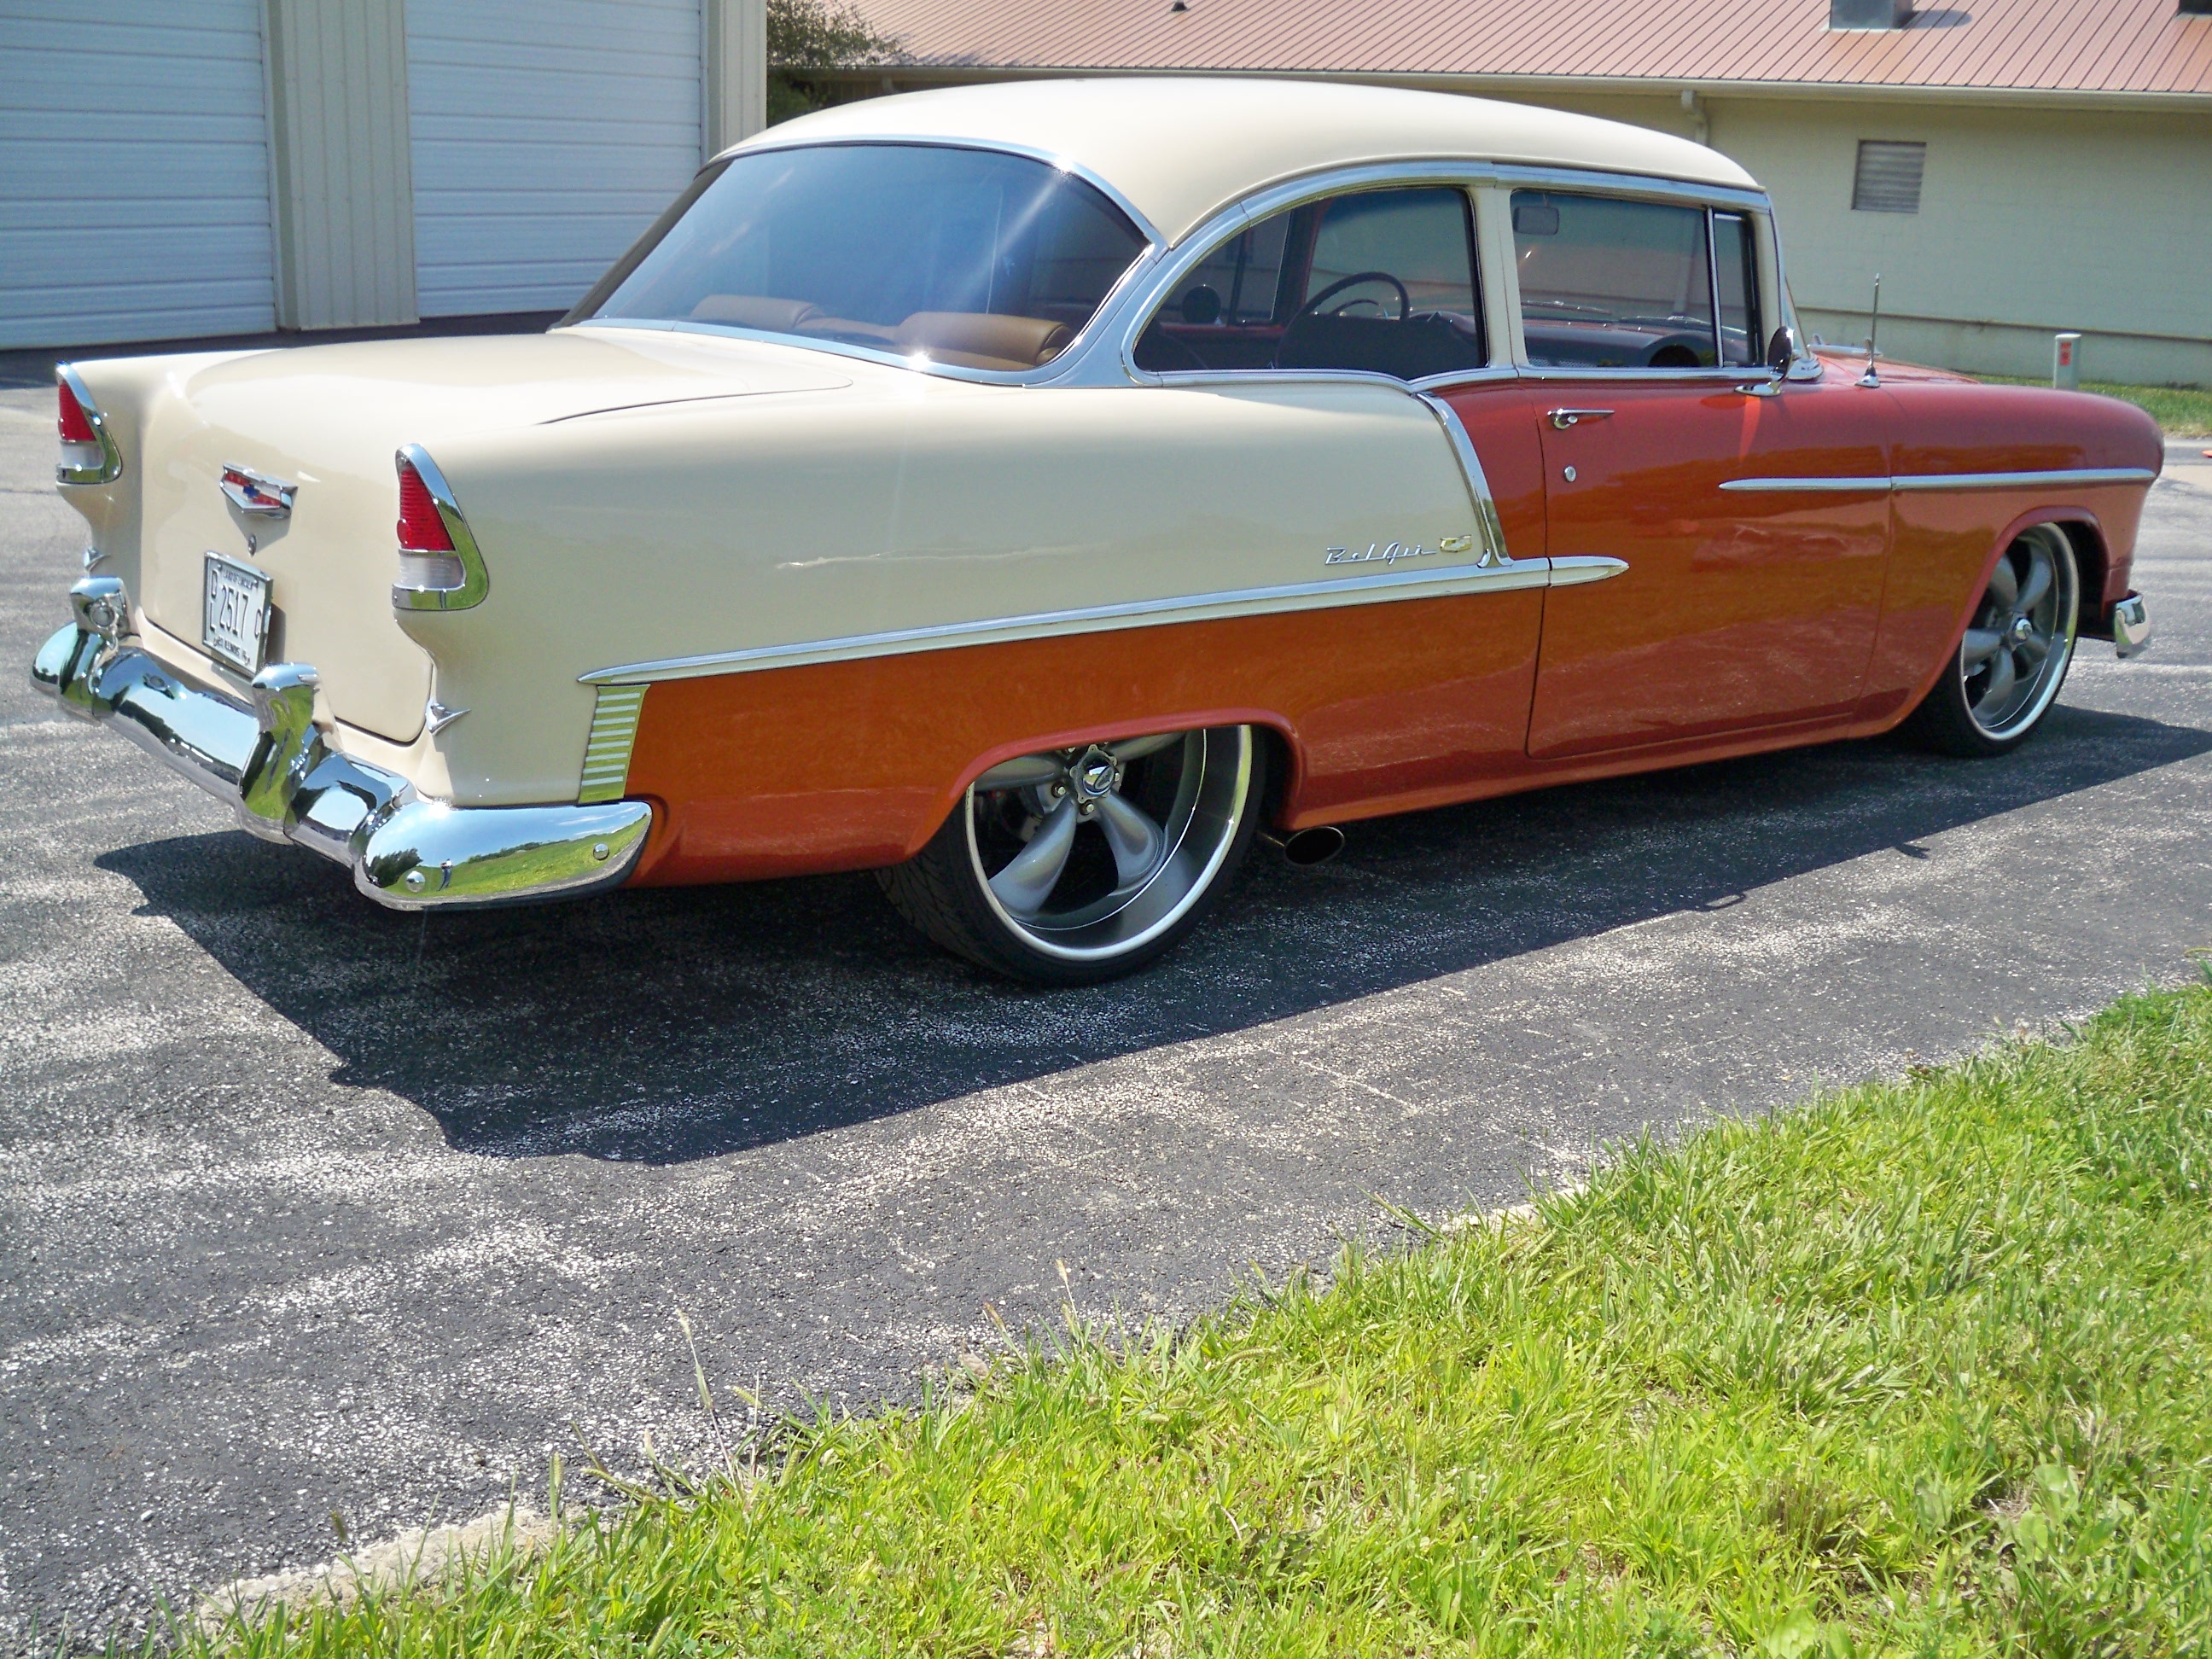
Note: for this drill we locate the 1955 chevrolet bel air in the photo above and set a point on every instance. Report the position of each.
(1030, 492)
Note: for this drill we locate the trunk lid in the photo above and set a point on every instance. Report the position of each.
(328, 419)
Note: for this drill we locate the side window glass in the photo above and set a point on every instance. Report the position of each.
(1735, 279)
(1607, 283)
(1382, 281)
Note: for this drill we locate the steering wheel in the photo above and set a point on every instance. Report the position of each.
(1405, 300)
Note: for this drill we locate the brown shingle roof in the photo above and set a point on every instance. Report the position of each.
(2136, 46)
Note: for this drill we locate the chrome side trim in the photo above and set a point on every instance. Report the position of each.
(1488, 526)
(606, 749)
(1925, 481)
(2083, 475)
(272, 763)
(1573, 569)
(476, 581)
(110, 465)
(1810, 486)
(1095, 618)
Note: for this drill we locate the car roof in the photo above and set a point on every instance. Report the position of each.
(1181, 148)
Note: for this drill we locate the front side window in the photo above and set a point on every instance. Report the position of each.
(961, 256)
(1380, 280)
(1608, 284)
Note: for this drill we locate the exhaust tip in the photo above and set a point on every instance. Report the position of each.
(1317, 846)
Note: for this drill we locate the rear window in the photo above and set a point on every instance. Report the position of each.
(960, 256)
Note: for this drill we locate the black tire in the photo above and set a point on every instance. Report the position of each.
(2009, 666)
(1092, 919)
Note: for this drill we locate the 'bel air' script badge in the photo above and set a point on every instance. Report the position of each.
(1388, 553)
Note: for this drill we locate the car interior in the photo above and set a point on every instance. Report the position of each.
(1381, 281)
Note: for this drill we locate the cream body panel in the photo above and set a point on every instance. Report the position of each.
(328, 419)
(911, 502)
(1179, 149)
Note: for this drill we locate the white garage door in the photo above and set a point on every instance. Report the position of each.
(134, 172)
(547, 134)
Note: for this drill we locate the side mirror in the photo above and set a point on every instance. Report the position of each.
(1782, 350)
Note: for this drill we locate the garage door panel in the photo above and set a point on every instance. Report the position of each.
(545, 138)
(133, 202)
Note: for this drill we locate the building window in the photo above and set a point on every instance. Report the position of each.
(1888, 178)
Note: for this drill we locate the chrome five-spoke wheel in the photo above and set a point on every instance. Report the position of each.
(2014, 653)
(1079, 864)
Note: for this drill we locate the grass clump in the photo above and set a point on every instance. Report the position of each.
(2184, 412)
(1919, 1368)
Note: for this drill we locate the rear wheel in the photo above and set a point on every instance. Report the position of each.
(2014, 657)
(1078, 864)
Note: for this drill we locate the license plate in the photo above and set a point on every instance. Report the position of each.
(236, 626)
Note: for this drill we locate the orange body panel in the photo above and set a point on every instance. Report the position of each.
(846, 766)
(1746, 622)
(1737, 610)
(1944, 543)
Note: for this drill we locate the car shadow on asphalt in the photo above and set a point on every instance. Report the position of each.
(667, 1025)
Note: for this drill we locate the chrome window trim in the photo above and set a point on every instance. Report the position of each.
(1103, 352)
(1390, 585)
(1468, 175)
(1922, 482)
(111, 458)
(476, 581)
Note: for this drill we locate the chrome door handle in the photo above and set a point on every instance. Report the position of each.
(1563, 418)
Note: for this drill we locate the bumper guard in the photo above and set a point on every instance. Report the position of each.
(269, 761)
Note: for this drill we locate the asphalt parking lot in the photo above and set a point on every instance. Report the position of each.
(309, 1208)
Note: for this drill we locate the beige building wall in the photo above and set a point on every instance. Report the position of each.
(2033, 219)
(342, 199)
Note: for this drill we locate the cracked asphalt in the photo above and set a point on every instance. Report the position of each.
(306, 1207)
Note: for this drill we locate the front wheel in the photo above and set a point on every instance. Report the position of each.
(1079, 864)
(2014, 657)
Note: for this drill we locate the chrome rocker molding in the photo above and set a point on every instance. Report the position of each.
(269, 762)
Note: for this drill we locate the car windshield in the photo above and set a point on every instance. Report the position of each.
(962, 256)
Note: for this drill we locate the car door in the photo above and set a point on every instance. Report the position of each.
(1334, 298)
(1741, 607)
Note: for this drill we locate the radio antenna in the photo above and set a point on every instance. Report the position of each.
(1874, 327)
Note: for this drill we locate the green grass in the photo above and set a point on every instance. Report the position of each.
(1920, 1368)
(2184, 412)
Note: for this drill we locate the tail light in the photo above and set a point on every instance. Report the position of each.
(75, 425)
(440, 568)
(88, 453)
(421, 529)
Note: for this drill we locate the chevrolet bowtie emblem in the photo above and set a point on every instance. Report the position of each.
(250, 492)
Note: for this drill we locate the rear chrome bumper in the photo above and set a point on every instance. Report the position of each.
(269, 760)
(2130, 627)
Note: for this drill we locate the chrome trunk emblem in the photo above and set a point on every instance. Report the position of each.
(253, 492)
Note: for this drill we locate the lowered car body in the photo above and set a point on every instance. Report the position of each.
(1354, 451)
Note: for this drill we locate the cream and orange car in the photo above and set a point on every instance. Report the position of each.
(1033, 492)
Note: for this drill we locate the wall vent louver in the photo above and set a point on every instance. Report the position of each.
(1888, 177)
